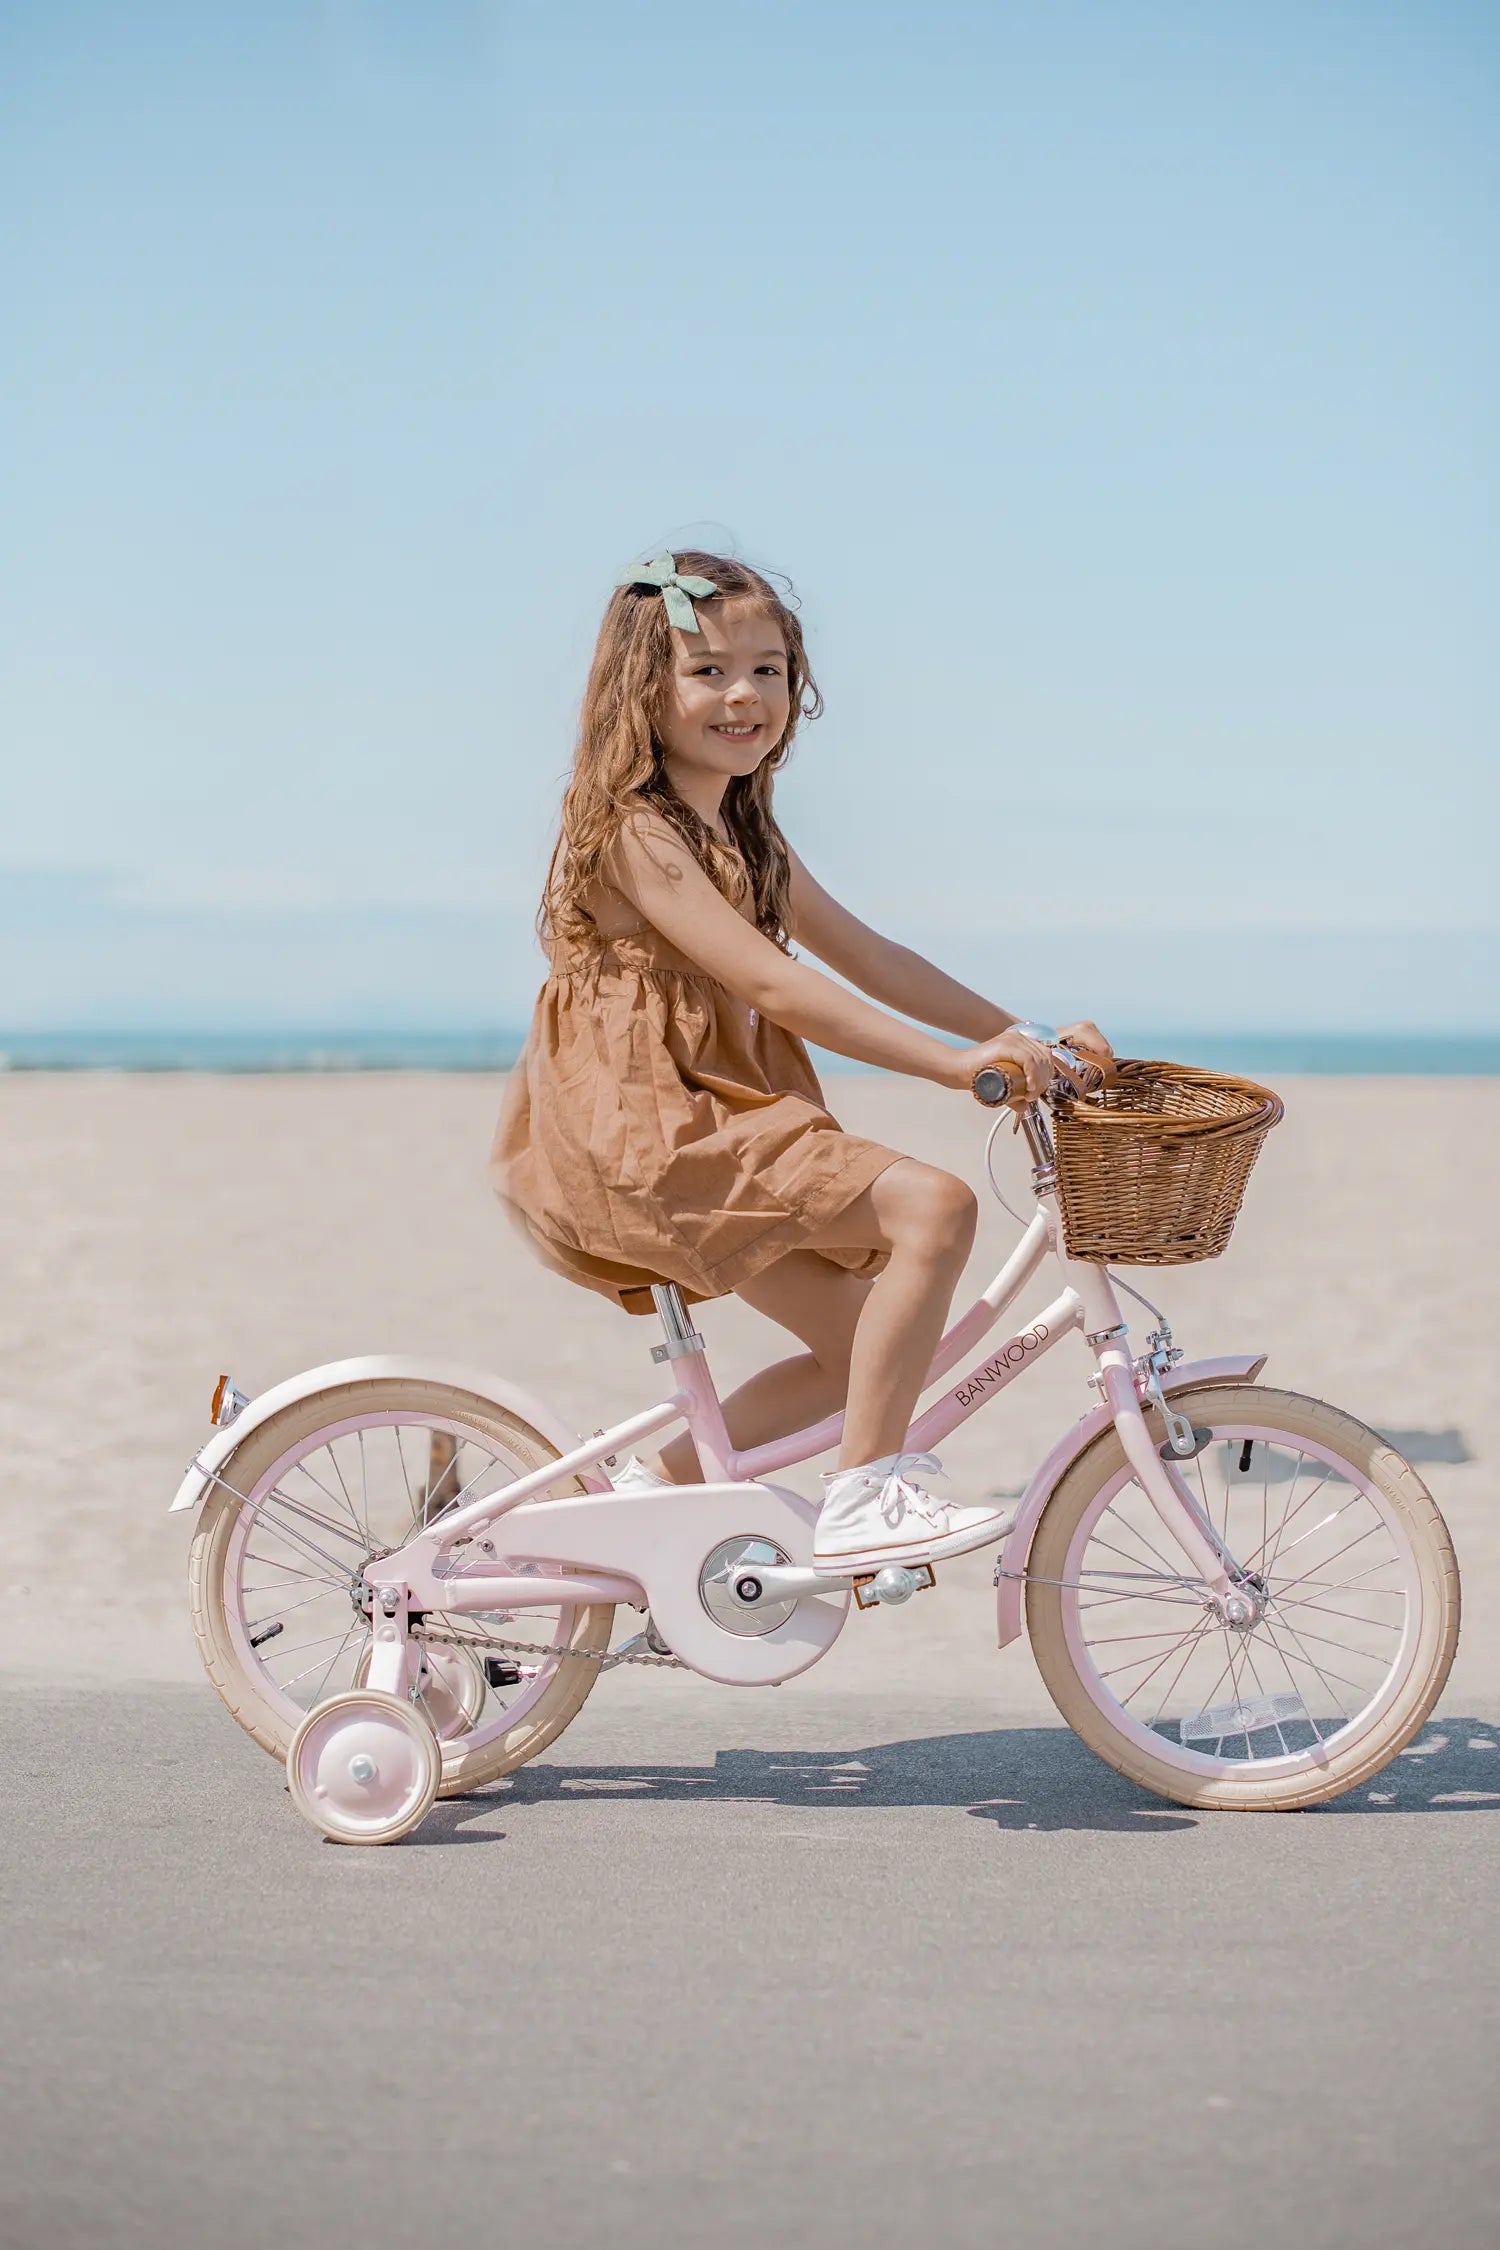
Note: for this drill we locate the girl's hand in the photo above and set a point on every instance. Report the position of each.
(1012, 1051)
(1089, 1041)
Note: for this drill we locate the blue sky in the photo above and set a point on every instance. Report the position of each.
(1115, 382)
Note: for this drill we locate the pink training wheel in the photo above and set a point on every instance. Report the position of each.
(452, 1685)
(364, 1767)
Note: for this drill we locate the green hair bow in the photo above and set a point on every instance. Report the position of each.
(662, 572)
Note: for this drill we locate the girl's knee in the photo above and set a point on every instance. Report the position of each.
(933, 1211)
(959, 1218)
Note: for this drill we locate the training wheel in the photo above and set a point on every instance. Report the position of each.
(364, 1767)
(453, 1686)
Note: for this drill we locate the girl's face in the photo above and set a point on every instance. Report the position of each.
(727, 701)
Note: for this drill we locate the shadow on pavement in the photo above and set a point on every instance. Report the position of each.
(1019, 1777)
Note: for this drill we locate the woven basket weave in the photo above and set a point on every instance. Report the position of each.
(1151, 1171)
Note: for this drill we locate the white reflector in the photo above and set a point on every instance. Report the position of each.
(1243, 1718)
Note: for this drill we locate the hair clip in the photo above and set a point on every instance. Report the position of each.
(662, 573)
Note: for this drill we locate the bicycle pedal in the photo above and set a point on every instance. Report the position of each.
(500, 1672)
(873, 1589)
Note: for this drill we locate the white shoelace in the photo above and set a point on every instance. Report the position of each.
(899, 1498)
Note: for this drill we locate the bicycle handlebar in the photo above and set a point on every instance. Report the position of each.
(994, 1086)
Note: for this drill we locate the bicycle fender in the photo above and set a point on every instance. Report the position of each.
(208, 1462)
(1192, 1374)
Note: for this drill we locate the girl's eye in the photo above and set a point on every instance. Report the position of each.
(773, 669)
(703, 670)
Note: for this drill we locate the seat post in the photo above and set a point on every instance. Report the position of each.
(682, 1337)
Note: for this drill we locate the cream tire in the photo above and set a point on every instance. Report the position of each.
(1429, 1560)
(265, 1717)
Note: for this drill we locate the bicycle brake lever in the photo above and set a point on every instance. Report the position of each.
(1087, 1076)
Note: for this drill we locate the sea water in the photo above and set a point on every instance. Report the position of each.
(1267, 1055)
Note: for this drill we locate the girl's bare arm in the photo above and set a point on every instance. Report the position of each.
(660, 876)
(889, 972)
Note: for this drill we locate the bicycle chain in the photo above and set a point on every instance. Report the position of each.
(626, 1655)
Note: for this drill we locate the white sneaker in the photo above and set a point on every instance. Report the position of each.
(876, 1515)
(636, 1477)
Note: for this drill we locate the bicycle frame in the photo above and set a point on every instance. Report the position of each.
(415, 1576)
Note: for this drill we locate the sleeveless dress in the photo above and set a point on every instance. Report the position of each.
(656, 1130)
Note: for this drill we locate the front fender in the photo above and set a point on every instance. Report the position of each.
(1193, 1374)
(209, 1460)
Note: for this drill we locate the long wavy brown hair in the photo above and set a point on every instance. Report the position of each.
(618, 765)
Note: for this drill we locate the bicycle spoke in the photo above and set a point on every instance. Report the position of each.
(1347, 1648)
(1311, 1533)
(1313, 1666)
(300, 1648)
(363, 1486)
(317, 1694)
(1191, 1643)
(1288, 1512)
(1166, 1658)
(283, 1611)
(1113, 1550)
(1339, 1585)
(333, 1459)
(1132, 1663)
(300, 1539)
(1265, 1503)
(411, 1501)
(1347, 1549)
(1370, 1624)
(459, 1497)
(1174, 1600)
(1236, 1689)
(274, 1562)
(1207, 1508)
(1260, 1690)
(1134, 1531)
(300, 1468)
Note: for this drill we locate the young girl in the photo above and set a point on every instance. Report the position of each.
(665, 1123)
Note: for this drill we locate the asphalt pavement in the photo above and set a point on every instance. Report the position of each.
(735, 1969)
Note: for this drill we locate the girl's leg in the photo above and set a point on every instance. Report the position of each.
(926, 1219)
(818, 1303)
(871, 1342)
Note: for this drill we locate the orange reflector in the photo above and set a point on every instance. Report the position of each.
(218, 1399)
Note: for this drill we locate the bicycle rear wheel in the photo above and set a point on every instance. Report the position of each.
(1353, 1596)
(305, 1502)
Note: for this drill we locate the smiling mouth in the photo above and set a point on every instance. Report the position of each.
(739, 734)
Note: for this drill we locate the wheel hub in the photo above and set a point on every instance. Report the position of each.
(1242, 1608)
(361, 1595)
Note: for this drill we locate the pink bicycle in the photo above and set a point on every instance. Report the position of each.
(404, 1576)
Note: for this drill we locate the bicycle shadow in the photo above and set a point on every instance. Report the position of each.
(1025, 1778)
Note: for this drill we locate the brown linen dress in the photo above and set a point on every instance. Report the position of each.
(656, 1130)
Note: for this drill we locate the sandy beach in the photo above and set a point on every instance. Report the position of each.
(158, 1230)
(884, 1955)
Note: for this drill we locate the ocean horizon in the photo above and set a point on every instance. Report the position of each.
(1395, 1054)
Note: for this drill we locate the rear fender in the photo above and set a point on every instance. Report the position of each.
(209, 1461)
(1193, 1374)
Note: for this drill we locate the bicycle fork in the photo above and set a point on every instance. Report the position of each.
(1162, 1481)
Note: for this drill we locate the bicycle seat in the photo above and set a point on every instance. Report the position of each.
(637, 1297)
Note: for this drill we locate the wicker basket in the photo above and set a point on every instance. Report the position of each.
(1151, 1171)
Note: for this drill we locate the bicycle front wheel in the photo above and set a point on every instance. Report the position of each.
(1351, 1605)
